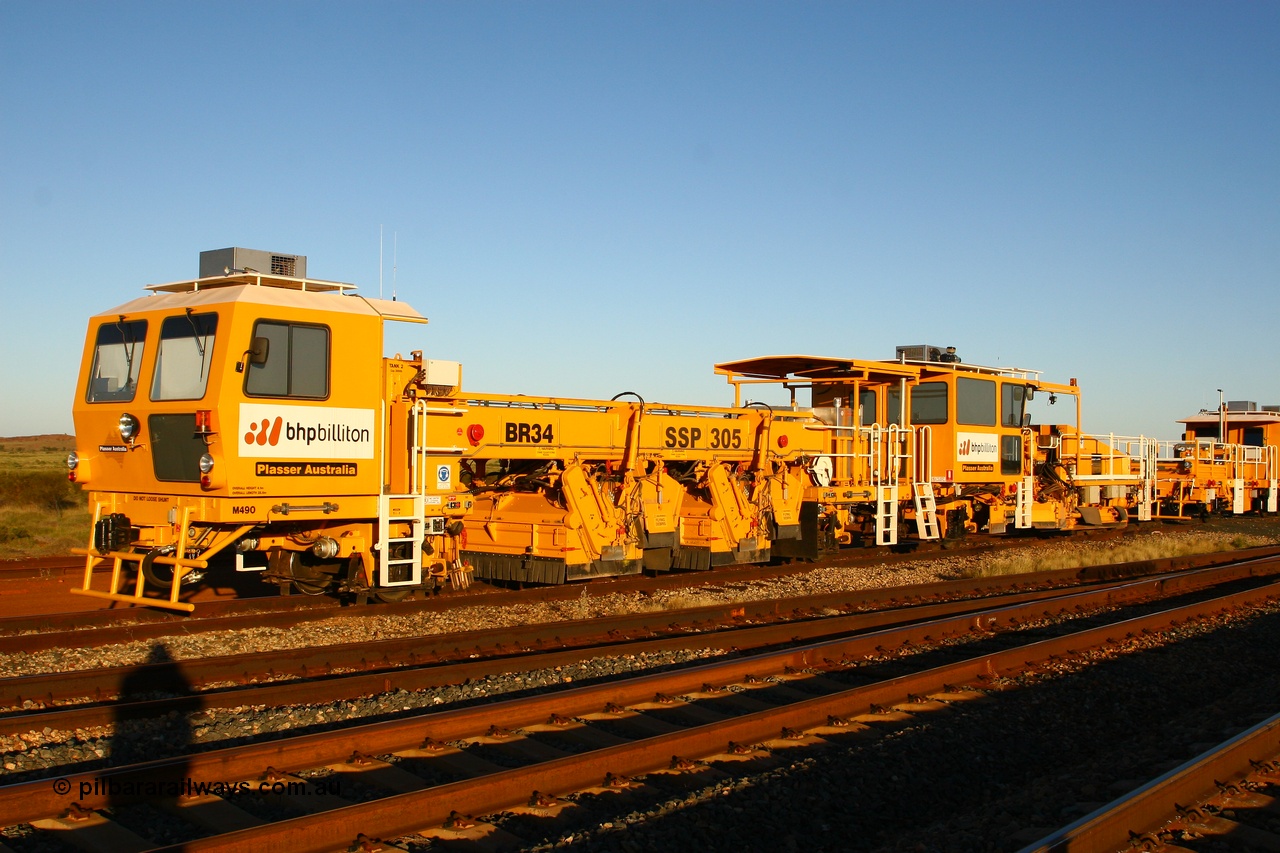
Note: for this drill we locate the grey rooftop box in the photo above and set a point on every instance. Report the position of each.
(221, 261)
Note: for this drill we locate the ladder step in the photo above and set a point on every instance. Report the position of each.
(887, 515)
(926, 510)
(416, 527)
(1026, 497)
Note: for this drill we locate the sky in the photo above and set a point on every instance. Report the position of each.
(591, 198)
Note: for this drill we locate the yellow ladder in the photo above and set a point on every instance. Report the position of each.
(926, 510)
(887, 514)
(1026, 497)
(385, 541)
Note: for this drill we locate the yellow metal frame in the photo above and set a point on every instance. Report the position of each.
(182, 566)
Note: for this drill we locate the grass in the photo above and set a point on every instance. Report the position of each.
(41, 513)
(1149, 548)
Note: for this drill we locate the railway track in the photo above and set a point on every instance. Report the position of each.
(82, 699)
(44, 567)
(1225, 797)
(806, 682)
(268, 606)
(101, 627)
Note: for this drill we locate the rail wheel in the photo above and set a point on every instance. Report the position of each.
(307, 587)
(162, 575)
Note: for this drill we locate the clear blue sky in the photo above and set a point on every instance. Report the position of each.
(599, 197)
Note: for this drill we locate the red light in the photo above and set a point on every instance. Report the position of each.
(475, 432)
(783, 441)
(71, 476)
(203, 418)
(204, 481)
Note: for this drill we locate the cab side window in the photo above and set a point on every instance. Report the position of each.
(1013, 403)
(975, 402)
(866, 407)
(929, 403)
(297, 363)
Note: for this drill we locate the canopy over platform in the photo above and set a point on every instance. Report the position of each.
(813, 368)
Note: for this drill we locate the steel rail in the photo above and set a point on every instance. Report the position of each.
(414, 663)
(110, 619)
(93, 628)
(24, 801)
(42, 567)
(1145, 809)
(239, 612)
(404, 813)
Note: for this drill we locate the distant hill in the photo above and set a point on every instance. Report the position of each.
(39, 442)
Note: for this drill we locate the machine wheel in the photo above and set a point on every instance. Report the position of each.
(310, 587)
(391, 596)
(162, 575)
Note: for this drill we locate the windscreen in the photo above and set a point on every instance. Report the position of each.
(117, 358)
(184, 357)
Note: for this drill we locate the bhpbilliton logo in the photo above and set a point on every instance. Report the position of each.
(268, 432)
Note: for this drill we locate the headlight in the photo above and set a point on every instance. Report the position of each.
(128, 427)
(206, 463)
(73, 460)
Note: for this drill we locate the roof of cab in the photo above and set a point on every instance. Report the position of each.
(1236, 418)
(274, 290)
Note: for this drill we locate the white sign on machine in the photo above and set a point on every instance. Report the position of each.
(271, 430)
(977, 447)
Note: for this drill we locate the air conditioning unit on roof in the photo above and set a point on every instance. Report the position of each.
(235, 260)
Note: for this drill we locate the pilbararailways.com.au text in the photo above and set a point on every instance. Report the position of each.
(188, 787)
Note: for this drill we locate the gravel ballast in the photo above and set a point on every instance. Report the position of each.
(934, 782)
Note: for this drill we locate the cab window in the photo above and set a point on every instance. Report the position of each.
(1010, 455)
(893, 407)
(1013, 402)
(297, 363)
(929, 403)
(184, 357)
(866, 407)
(117, 358)
(975, 401)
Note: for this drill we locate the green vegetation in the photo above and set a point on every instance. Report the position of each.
(1154, 547)
(41, 513)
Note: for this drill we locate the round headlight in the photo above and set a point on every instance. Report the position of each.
(206, 463)
(73, 460)
(128, 427)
